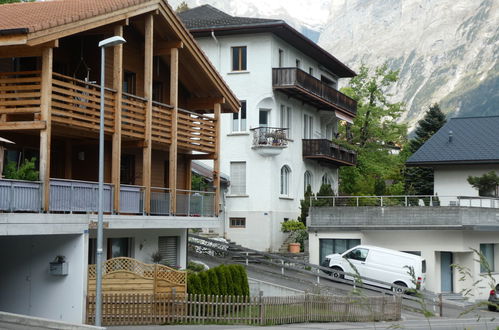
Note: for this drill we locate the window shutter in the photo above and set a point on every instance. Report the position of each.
(238, 178)
(168, 249)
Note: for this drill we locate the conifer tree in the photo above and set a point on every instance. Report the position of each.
(419, 180)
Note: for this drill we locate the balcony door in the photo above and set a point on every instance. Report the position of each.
(264, 118)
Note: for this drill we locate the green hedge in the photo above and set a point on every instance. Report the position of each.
(221, 280)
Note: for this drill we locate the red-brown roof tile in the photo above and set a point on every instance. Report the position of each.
(37, 16)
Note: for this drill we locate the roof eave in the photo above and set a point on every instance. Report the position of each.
(452, 162)
(267, 27)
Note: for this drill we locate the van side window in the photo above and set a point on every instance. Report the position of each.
(357, 254)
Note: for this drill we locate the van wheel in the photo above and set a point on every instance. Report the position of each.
(335, 273)
(397, 289)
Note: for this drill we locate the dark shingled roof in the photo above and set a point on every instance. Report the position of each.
(203, 20)
(474, 140)
(208, 16)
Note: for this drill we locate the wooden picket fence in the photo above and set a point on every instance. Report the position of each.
(148, 309)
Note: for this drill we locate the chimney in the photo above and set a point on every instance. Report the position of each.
(450, 136)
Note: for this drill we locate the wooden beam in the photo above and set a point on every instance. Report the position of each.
(45, 134)
(118, 87)
(27, 51)
(216, 161)
(133, 144)
(188, 174)
(200, 156)
(23, 125)
(148, 74)
(174, 127)
(165, 47)
(205, 103)
(15, 39)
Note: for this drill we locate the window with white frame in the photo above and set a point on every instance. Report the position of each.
(308, 126)
(307, 180)
(237, 178)
(285, 119)
(487, 250)
(298, 63)
(281, 58)
(285, 180)
(239, 119)
(326, 180)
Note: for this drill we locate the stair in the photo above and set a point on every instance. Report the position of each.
(255, 258)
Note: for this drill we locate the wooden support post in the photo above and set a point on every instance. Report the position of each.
(118, 86)
(216, 161)
(188, 174)
(173, 146)
(45, 134)
(148, 70)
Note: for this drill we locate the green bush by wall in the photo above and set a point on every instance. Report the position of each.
(221, 280)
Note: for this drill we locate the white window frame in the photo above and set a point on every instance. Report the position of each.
(239, 124)
(285, 180)
(308, 126)
(326, 180)
(307, 180)
(286, 119)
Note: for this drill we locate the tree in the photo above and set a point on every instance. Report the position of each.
(419, 180)
(486, 184)
(26, 171)
(374, 132)
(182, 7)
(13, 1)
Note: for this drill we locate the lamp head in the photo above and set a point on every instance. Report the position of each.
(112, 41)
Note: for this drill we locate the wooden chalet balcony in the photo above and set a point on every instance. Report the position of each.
(76, 103)
(327, 151)
(297, 83)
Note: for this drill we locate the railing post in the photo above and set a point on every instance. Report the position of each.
(431, 200)
(188, 203)
(334, 201)
(247, 253)
(381, 201)
(11, 196)
(282, 267)
(71, 196)
(405, 200)
(357, 198)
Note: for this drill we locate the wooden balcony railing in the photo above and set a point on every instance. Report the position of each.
(196, 131)
(309, 88)
(77, 103)
(323, 149)
(20, 93)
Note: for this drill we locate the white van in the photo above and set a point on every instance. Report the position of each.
(379, 264)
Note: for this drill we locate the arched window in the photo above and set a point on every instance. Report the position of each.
(326, 179)
(307, 180)
(285, 179)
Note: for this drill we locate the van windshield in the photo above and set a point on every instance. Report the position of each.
(357, 254)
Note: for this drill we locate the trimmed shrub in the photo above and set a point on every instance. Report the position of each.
(230, 281)
(236, 280)
(243, 280)
(222, 280)
(194, 284)
(205, 283)
(213, 279)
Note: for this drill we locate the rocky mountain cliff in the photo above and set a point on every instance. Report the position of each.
(446, 50)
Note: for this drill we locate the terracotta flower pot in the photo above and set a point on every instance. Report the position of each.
(294, 247)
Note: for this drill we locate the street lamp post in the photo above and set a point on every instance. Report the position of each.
(116, 40)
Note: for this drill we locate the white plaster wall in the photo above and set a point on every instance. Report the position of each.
(145, 242)
(429, 243)
(26, 287)
(262, 205)
(452, 180)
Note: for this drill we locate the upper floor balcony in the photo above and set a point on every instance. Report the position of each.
(297, 83)
(81, 197)
(269, 141)
(327, 151)
(76, 104)
(403, 212)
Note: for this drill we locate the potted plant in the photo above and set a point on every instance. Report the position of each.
(298, 234)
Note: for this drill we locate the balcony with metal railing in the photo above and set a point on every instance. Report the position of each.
(404, 212)
(298, 83)
(326, 151)
(73, 196)
(269, 141)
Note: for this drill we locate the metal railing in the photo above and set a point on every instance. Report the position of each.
(160, 201)
(132, 199)
(78, 196)
(18, 195)
(270, 136)
(195, 203)
(406, 200)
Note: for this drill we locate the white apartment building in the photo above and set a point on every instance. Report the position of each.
(280, 141)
